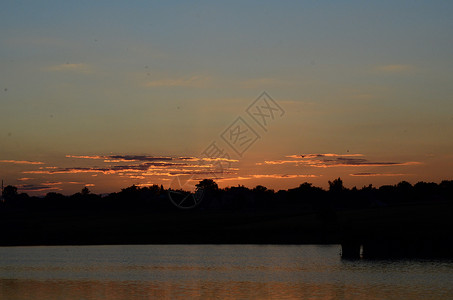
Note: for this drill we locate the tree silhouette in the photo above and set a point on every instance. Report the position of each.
(336, 185)
(9, 192)
(85, 191)
(260, 189)
(207, 185)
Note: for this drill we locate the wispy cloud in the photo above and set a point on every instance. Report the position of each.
(148, 158)
(49, 186)
(284, 176)
(71, 67)
(24, 179)
(278, 162)
(334, 160)
(37, 188)
(52, 183)
(270, 176)
(104, 170)
(22, 162)
(122, 158)
(238, 178)
(377, 174)
(323, 155)
(136, 177)
(142, 166)
(59, 183)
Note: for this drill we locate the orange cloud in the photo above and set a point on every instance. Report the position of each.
(86, 156)
(22, 162)
(131, 158)
(52, 183)
(280, 176)
(122, 158)
(24, 179)
(278, 162)
(166, 168)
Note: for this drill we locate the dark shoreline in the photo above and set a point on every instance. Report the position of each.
(400, 221)
(405, 231)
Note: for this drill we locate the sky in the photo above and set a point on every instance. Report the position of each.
(107, 94)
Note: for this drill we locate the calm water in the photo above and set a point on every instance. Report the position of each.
(209, 271)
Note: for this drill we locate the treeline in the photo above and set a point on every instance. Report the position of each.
(209, 197)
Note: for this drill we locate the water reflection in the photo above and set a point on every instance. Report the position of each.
(66, 289)
(224, 272)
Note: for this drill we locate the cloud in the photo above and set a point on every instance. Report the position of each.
(24, 179)
(182, 172)
(192, 81)
(68, 182)
(122, 158)
(217, 159)
(271, 176)
(136, 177)
(104, 170)
(70, 67)
(86, 156)
(51, 183)
(278, 162)
(163, 166)
(36, 188)
(396, 68)
(22, 162)
(229, 178)
(72, 171)
(323, 155)
(136, 167)
(376, 174)
(334, 160)
(148, 158)
(285, 176)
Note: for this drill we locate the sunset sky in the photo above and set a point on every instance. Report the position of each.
(107, 94)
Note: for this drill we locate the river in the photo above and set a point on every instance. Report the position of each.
(214, 271)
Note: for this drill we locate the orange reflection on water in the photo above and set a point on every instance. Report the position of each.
(72, 289)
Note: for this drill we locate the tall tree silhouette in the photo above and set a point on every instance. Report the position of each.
(336, 185)
(207, 185)
(9, 192)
